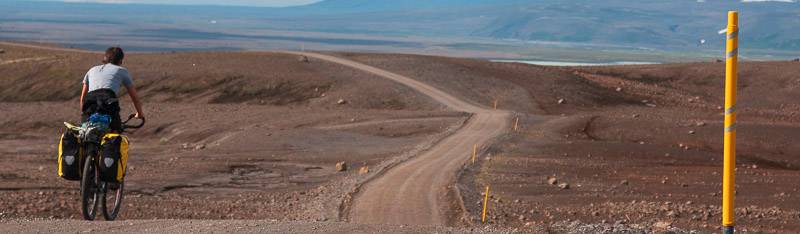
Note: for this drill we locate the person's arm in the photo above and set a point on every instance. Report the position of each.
(127, 81)
(136, 103)
(83, 94)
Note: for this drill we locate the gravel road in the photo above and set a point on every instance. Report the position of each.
(414, 192)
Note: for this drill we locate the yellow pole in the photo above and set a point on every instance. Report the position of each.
(729, 164)
(485, 202)
(495, 104)
(516, 124)
(474, 152)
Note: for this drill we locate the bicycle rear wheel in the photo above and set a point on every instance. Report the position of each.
(114, 197)
(89, 185)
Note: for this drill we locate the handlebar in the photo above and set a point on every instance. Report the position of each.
(126, 126)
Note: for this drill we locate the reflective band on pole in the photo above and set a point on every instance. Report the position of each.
(730, 110)
(733, 53)
(733, 35)
(730, 128)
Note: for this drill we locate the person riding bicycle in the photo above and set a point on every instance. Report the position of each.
(101, 85)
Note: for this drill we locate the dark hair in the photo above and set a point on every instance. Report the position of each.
(114, 55)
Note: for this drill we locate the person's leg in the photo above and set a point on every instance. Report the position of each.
(89, 106)
(116, 121)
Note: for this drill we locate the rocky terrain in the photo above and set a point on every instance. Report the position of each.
(635, 144)
(257, 135)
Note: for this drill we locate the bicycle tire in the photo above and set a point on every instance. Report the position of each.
(89, 186)
(118, 195)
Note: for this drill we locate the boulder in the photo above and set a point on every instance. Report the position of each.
(552, 180)
(341, 101)
(341, 166)
(363, 170)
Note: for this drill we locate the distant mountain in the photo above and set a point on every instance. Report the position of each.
(659, 24)
(675, 25)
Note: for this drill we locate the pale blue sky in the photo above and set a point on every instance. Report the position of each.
(271, 3)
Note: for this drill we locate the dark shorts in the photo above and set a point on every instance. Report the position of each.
(103, 101)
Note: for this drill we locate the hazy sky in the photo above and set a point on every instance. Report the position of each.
(206, 2)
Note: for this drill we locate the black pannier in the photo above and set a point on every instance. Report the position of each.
(113, 158)
(70, 157)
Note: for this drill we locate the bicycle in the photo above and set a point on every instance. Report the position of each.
(92, 188)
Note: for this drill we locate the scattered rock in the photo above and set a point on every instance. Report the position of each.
(200, 146)
(700, 124)
(754, 166)
(528, 224)
(185, 146)
(635, 116)
(717, 60)
(563, 186)
(303, 59)
(41, 168)
(363, 170)
(624, 182)
(673, 214)
(793, 60)
(691, 132)
(595, 213)
(650, 105)
(2, 51)
(552, 180)
(561, 101)
(341, 101)
(341, 166)
(662, 225)
(619, 89)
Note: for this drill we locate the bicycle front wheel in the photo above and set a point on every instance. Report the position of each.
(89, 185)
(113, 197)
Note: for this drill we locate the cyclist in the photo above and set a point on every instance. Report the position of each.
(101, 85)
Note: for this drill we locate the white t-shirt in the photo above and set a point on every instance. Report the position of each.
(107, 76)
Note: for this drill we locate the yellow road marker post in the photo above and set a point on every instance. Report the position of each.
(474, 152)
(495, 104)
(485, 203)
(729, 162)
(516, 124)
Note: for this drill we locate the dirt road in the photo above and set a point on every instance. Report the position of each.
(47, 47)
(22, 60)
(221, 226)
(414, 192)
